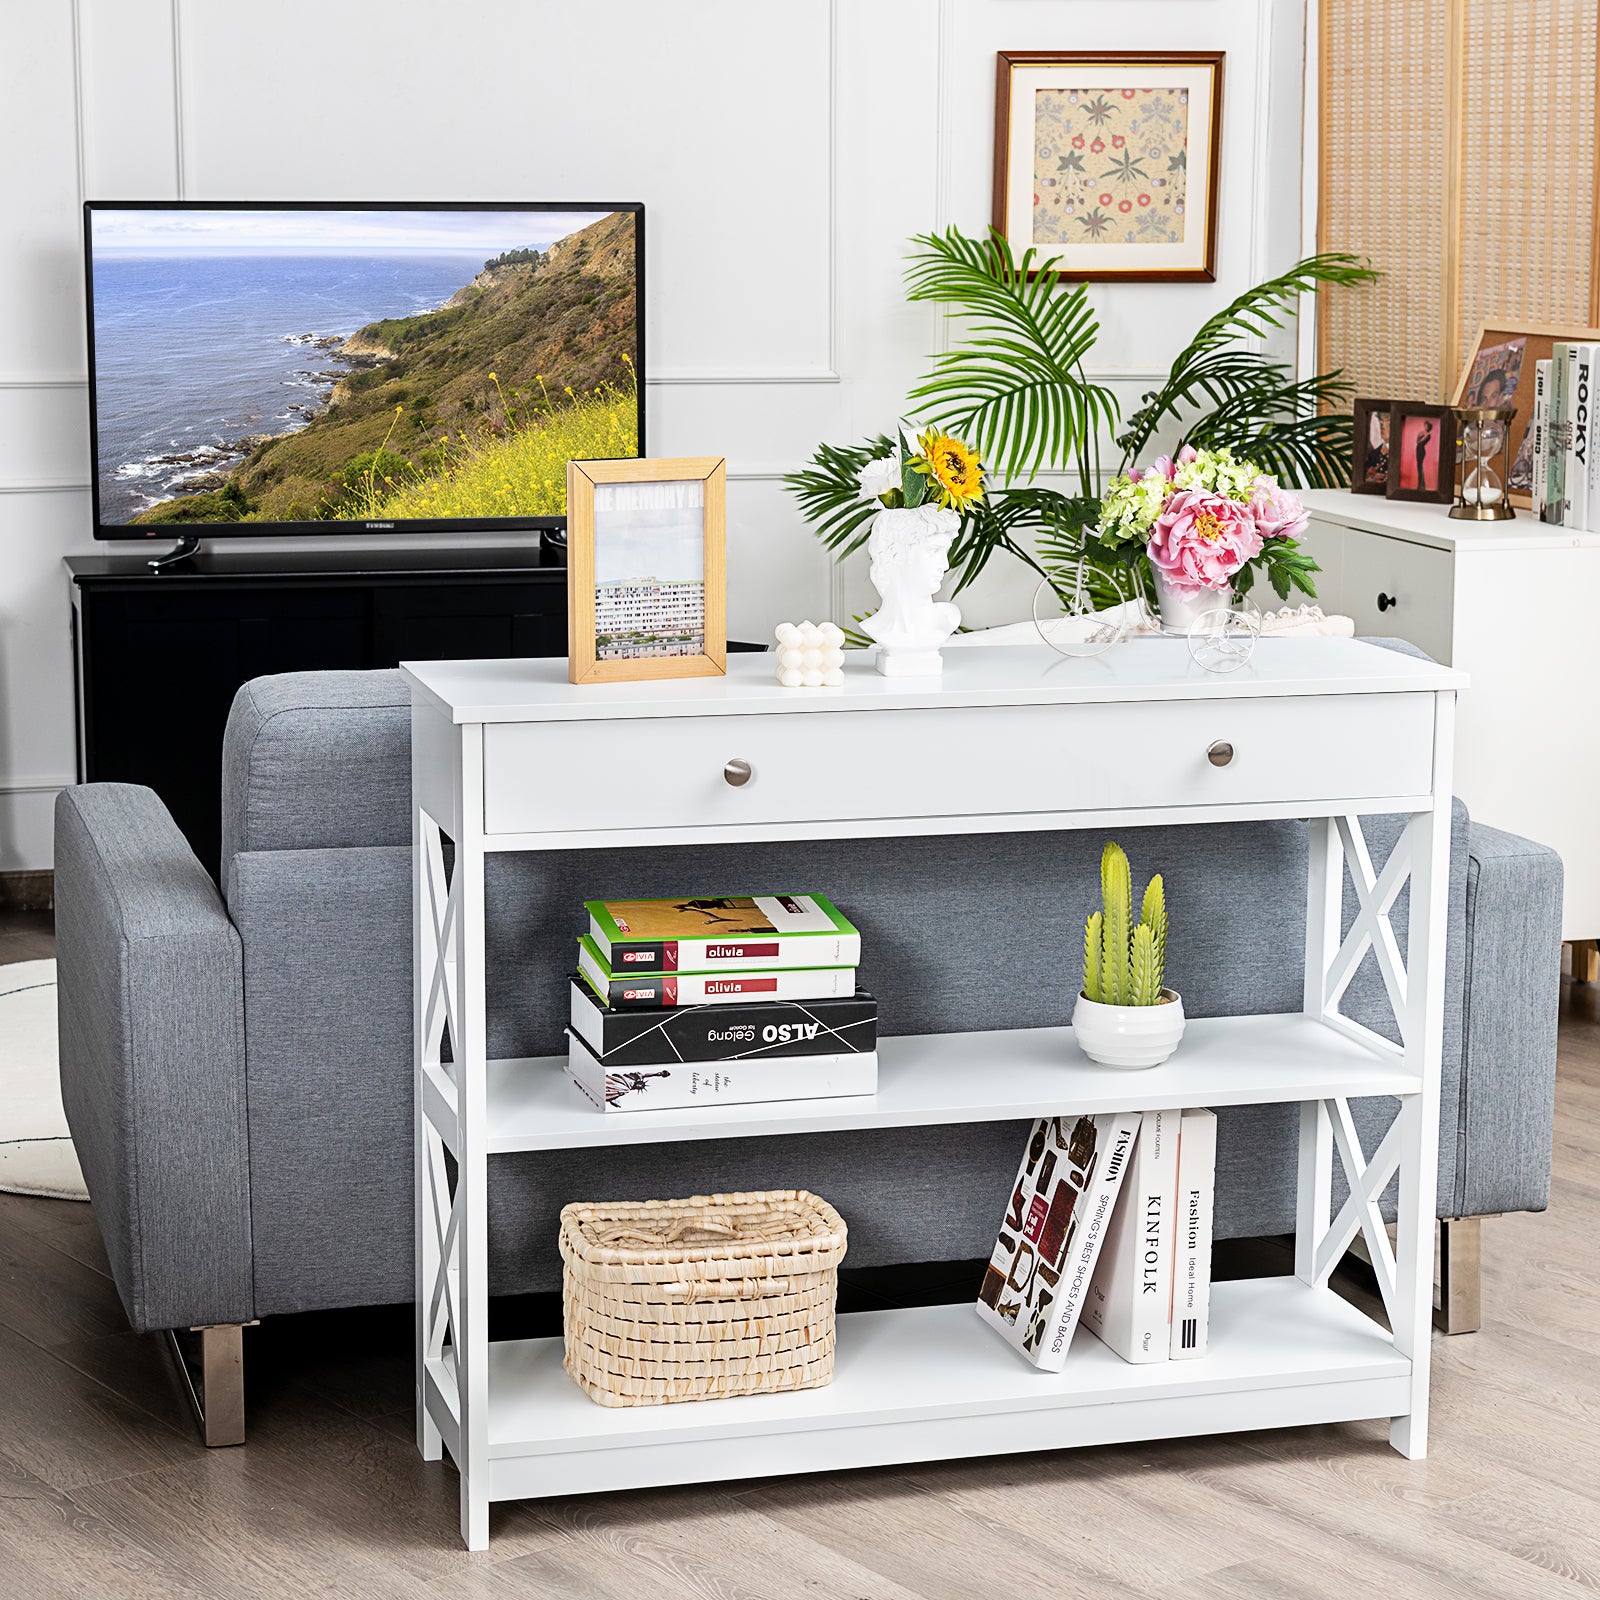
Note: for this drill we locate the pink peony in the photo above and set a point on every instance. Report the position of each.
(1201, 539)
(1166, 466)
(1277, 512)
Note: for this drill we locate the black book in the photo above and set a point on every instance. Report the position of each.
(751, 1031)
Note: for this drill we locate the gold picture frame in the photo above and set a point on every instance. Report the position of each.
(1108, 161)
(1491, 353)
(646, 569)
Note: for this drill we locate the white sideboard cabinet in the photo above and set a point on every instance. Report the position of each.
(1516, 605)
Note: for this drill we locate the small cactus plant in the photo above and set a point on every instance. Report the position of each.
(1125, 964)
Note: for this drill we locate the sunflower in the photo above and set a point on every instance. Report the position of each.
(954, 471)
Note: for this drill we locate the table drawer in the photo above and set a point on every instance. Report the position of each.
(633, 773)
(1393, 588)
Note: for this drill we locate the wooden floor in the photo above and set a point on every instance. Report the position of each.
(105, 1491)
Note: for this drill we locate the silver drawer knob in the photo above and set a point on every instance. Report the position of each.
(738, 772)
(1219, 754)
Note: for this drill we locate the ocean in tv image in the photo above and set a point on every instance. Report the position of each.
(303, 366)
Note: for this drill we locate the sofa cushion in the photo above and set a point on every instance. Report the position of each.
(316, 760)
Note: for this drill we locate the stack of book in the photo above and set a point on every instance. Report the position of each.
(719, 999)
(1109, 1222)
(1565, 432)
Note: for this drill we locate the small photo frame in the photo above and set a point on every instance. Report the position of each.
(1369, 465)
(1108, 161)
(1422, 453)
(646, 570)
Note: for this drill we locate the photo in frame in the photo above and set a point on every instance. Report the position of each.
(1499, 371)
(1108, 161)
(646, 569)
(1422, 453)
(1369, 465)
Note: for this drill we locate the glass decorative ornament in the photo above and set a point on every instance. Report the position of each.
(1223, 640)
(1083, 629)
(1483, 463)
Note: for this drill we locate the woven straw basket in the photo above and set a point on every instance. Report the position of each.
(700, 1299)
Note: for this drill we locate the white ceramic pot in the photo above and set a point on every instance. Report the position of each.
(1179, 612)
(1129, 1036)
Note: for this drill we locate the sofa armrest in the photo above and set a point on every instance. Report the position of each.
(152, 1056)
(1511, 1001)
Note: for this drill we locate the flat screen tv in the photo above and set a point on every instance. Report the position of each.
(329, 368)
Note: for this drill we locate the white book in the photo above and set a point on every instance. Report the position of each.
(1197, 1193)
(1585, 449)
(1541, 429)
(1580, 386)
(1593, 524)
(677, 1085)
(1038, 1277)
(1130, 1294)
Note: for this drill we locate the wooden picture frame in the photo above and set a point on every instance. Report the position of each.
(1139, 195)
(646, 577)
(1537, 341)
(1369, 459)
(1409, 448)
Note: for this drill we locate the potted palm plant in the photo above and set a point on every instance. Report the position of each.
(1014, 384)
(1125, 1015)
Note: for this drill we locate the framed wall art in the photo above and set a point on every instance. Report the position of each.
(1108, 160)
(1422, 453)
(1499, 372)
(1369, 467)
(646, 573)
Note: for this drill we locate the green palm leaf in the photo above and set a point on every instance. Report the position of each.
(1015, 388)
(830, 497)
(1214, 366)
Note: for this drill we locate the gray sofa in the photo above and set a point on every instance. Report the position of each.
(236, 1063)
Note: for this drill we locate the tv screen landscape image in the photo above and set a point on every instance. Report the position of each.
(268, 369)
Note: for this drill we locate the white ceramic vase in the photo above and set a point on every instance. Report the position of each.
(1130, 1037)
(1180, 611)
(910, 548)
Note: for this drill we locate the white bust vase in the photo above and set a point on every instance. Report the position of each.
(910, 551)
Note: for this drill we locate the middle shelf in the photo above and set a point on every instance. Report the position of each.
(926, 1079)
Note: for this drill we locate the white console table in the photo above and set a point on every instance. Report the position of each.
(507, 755)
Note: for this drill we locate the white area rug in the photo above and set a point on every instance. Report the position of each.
(36, 1154)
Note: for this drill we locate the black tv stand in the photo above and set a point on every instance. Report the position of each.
(184, 550)
(221, 615)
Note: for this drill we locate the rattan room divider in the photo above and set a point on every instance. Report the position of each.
(1457, 153)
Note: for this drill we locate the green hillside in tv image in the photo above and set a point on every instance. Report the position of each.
(346, 367)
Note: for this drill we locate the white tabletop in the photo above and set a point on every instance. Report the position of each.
(1010, 675)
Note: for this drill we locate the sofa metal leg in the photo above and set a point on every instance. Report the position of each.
(218, 1401)
(1460, 1307)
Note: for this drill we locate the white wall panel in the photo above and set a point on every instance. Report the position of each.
(785, 153)
(41, 262)
(129, 64)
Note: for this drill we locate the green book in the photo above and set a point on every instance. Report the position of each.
(627, 989)
(1557, 434)
(722, 933)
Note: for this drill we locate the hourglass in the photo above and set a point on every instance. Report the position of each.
(1483, 463)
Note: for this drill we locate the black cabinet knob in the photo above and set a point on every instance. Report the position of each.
(1385, 601)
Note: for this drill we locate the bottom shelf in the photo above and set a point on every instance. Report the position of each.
(935, 1382)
